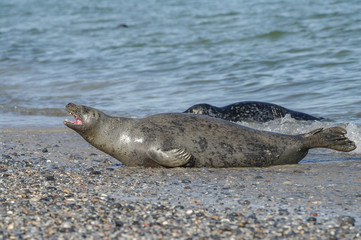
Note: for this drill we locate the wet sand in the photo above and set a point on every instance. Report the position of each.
(55, 185)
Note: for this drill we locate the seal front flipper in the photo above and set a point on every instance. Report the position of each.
(171, 158)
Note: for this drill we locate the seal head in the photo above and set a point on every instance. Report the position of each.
(86, 118)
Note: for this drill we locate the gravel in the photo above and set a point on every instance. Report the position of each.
(53, 185)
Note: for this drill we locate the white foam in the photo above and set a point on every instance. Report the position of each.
(354, 134)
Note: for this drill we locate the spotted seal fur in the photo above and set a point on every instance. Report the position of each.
(249, 111)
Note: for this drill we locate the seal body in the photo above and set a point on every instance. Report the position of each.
(248, 111)
(178, 139)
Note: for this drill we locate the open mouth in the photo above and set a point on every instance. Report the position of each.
(77, 120)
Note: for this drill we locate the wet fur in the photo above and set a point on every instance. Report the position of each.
(205, 141)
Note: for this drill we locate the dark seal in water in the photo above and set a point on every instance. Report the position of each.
(248, 111)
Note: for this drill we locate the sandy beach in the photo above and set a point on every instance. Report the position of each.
(54, 185)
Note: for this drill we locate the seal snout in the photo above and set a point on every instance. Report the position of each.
(71, 108)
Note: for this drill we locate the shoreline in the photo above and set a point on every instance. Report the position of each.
(54, 184)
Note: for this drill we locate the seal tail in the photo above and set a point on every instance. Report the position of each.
(333, 138)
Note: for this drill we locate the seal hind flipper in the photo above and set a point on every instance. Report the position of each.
(172, 158)
(333, 138)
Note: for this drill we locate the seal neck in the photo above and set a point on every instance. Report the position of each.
(105, 135)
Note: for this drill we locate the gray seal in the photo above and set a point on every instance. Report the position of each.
(191, 140)
(249, 111)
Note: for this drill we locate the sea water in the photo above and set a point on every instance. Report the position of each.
(303, 55)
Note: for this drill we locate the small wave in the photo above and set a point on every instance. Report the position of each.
(218, 15)
(33, 111)
(354, 133)
(273, 34)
